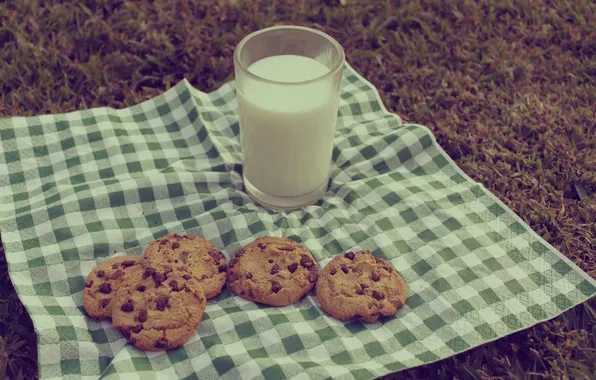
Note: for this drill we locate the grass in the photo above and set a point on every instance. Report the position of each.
(508, 88)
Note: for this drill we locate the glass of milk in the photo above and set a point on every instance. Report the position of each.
(287, 80)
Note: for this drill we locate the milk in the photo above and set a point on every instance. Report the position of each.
(287, 129)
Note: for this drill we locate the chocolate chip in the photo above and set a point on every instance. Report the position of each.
(262, 246)
(187, 277)
(105, 288)
(158, 278)
(127, 307)
(275, 269)
(104, 302)
(378, 261)
(174, 285)
(363, 286)
(242, 293)
(164, 241)
(148, 272)
(233, 277)
(89, 284)
(116, 275)
(176, 236)
(175, 245)
(125, 333)
(270, 261)
(248, 275)
(241, 252)
(183, 256)
(251, 293)
(161, 343)
(100, 273)
(223, 268)
(333, 271)
(233, 262)
(143, 315)
(186, 289)
(161, 302)
(186, 237)
(176, 261)
(359, 292)
(141, 288)
(114, 266)
(349, 255)
(216, 256)
(374, 276)
(137, 329)
(128, 263)
(344, 268)
(388, 269)
(286, 248)
(204, 277)
(275, 286)
(306, 261)
(378, 296)
(292, 267)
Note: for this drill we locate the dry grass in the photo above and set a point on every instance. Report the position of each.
(507, 87)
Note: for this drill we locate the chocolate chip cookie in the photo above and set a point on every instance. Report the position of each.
(104, 281)
(273, 271)
(191, 254)
(358, 285)
(159, 311)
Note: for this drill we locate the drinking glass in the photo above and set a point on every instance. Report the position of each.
(287, 85)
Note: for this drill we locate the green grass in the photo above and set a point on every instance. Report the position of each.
(507, 87)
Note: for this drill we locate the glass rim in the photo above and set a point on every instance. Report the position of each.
(331, 72)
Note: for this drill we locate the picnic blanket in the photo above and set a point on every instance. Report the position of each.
(79, 188)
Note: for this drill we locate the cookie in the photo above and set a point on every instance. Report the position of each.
(103, 283)
(191, 254)
(273, 271)
(358, 285)
(159, 311)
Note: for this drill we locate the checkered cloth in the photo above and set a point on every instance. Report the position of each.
(79, 188)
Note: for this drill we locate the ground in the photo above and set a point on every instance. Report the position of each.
(507, 87)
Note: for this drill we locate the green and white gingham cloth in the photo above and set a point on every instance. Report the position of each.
(79, 188)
